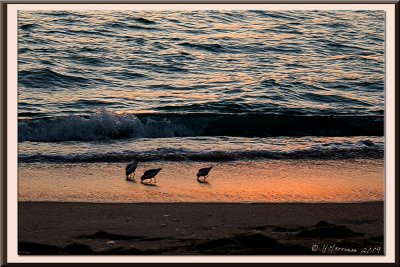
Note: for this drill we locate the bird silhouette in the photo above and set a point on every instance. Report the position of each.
(130, 170)
(203, 172)
(150, 174)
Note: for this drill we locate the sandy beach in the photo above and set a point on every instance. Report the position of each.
(284, 207)
(51, 228)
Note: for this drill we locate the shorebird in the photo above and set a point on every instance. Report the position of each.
(130, 170)
(203, 172)
(150, 174)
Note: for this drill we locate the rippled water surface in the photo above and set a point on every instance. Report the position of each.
(281, 62)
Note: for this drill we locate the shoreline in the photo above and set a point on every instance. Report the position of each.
(57, 228)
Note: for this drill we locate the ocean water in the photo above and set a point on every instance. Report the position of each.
(109, 86)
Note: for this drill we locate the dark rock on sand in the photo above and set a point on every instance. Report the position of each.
(77, 249)
(250, 244)
(286, 229)
(105, 235)
(323, 224)
(258, 228)
(332, 231)
(255, 241)
(274, 228)
(28, 248)
(377, 238)
(238, 244)
(280, 229)
(215, 244)
(124, 251)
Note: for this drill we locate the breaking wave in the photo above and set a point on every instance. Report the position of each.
(105, 125)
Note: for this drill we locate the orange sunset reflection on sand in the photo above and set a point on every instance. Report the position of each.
(258, 181)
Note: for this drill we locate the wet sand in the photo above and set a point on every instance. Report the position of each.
(51, 228)
(238, 181)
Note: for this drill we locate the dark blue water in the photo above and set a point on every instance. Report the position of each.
(119, 75)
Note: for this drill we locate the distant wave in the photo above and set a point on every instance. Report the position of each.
(119, 25)
(138, 27)
(105, 126)
(27, 27)
(144, 21)
(333, 151)
(285, 50)
(126, 75)
(43, 78)
(333, 98)
(216, 48)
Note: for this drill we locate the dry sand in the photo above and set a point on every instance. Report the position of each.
(200, 228)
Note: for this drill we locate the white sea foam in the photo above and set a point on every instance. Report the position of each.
(100, 126)
(204, 149)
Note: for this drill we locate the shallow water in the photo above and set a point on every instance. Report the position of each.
(211, 149)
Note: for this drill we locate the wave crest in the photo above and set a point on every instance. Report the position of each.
(100, 126)
(44, 78)
(105, 125)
